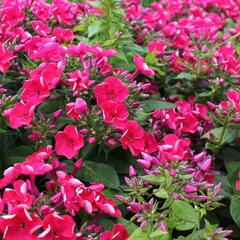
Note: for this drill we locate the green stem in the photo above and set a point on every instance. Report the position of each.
(226, 41)
(222, 135)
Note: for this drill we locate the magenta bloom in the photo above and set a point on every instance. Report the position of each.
(174, 149)
(158, 47)
(133, 137)
(5, 57)
(238, 185)
(33, 92)
(118, 233)
(79, 81)
(77, 109)
(68, 142)
(111, 89)
(41, 28)
(142, 66)
(62, 34)
(20, 225)
(115, 113)
(21, 114)
(58, 227)
(234, 98)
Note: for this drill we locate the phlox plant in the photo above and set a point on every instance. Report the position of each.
(119, 120)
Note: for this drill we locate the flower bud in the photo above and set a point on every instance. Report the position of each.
(132, 171)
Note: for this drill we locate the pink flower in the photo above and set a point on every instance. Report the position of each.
(18, 195)
(133, 137)
(21, 114)
(174, 149)
(34, 164)
(98, 52)
(77, 109)
(188, 124)
(41, 28)
(158, 47)
(79, 81)
(201, 112)
(234, 98)
(118, 233)
(68, 142)
(111, 89)
(34, 92)
(48, 74)
(59, 227)
(49, 51)
(11, 14)
(115, 113)
(78, 50)
(63, 34)
(106, 205)
(150, 143)
(20, 224)
(64, 11)
(142, 66)
(5, 57)
(238, 185)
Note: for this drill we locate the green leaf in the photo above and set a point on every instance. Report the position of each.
(131, 227)
(161, 193)
(80, 28)
(142, 117)
(18, 154)
(99, 172)
(153, 179)
(2, 131)
(185, 211)
(231, 158)
(109, 43)
(184, 226)
(227, 189)
(139, 234)
(235, 209)
(94, 28)
(229, 136)
(150, 105)
(185, 75)
(159, 235)
(95, 4)
(151, 59)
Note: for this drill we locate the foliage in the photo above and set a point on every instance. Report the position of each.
(119, 120)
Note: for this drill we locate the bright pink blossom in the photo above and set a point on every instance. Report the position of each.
(18, 195)
(234, 98)
(41, 28)
(119, 232)
(142, 66)
(68, 142)
(21, 114)
(5, 57)
(34, 92)
(63, 34)
(79, 81)
(174, 149)
(77, 109)
(115, 113)
(238, 185)
(20, 224)
(150, 143)
(60, 227)
(111, 89)
(158, 47)
(133, 137)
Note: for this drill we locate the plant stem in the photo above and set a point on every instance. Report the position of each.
(226, 41)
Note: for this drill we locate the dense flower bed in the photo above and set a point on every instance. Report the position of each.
(120, 120)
